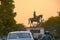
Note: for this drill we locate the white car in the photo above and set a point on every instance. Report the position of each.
(20, 35)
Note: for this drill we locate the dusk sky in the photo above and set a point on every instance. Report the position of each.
(25, 9)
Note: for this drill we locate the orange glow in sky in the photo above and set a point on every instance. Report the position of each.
(25, 9)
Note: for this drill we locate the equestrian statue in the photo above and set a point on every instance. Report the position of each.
(35, 18)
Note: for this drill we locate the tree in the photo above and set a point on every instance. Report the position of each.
(53, 25)
(20, 27)
(7, 21)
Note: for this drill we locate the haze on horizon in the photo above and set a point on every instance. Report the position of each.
(25, 9)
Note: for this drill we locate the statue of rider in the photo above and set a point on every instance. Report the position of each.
(34, 15)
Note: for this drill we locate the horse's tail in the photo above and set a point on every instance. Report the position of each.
(28, 20)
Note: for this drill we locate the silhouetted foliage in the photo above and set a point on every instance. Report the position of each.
(20, 27)
(7, 21)
(53, 25)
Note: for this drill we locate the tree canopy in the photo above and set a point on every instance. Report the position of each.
(7, 14)
(52, 24)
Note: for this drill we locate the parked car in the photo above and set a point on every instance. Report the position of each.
(20, 35)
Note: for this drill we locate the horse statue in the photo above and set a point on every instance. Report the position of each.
(38, 19)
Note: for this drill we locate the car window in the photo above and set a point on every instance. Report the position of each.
(19, 35)
(12, 36)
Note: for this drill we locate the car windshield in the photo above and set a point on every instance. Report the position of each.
(19, 35)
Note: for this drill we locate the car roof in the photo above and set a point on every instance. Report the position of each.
(20, 32)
